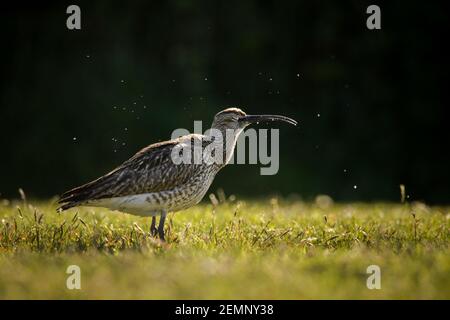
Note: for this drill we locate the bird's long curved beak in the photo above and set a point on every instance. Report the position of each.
(266, 118)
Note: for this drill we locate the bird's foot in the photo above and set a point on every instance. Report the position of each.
(161, 234)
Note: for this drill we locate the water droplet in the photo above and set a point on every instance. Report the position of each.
(318, 115)
(355, 187)
(122, 81)
(126, 129)
(145, 107)
(345, 170)
(270, 79)
(88, 56)
(206, 79)
(298, 75)
(74, 139)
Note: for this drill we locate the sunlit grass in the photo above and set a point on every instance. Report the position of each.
(265, 249)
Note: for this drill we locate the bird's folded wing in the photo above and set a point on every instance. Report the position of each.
(150, 170)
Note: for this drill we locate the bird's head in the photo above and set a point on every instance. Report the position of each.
(236, 119)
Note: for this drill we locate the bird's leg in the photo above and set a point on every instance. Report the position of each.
(161, 225)
(153, 229)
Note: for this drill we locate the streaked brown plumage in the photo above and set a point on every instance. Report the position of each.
(150, 183)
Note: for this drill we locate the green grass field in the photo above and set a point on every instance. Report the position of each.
(236, 250)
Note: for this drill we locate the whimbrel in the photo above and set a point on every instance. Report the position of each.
(151, 183)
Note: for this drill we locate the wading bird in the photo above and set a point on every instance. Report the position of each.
(151, 183)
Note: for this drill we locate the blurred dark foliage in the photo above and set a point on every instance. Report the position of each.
(72, 102)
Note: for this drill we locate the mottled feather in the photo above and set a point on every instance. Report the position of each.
(149, 170)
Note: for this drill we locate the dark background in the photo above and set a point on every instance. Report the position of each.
(380, 94)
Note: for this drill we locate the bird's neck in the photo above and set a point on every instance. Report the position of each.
(224, 140)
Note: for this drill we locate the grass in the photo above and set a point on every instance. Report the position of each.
(235, 250)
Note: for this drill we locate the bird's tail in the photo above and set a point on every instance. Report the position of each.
(92, 190)
(67, 206)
